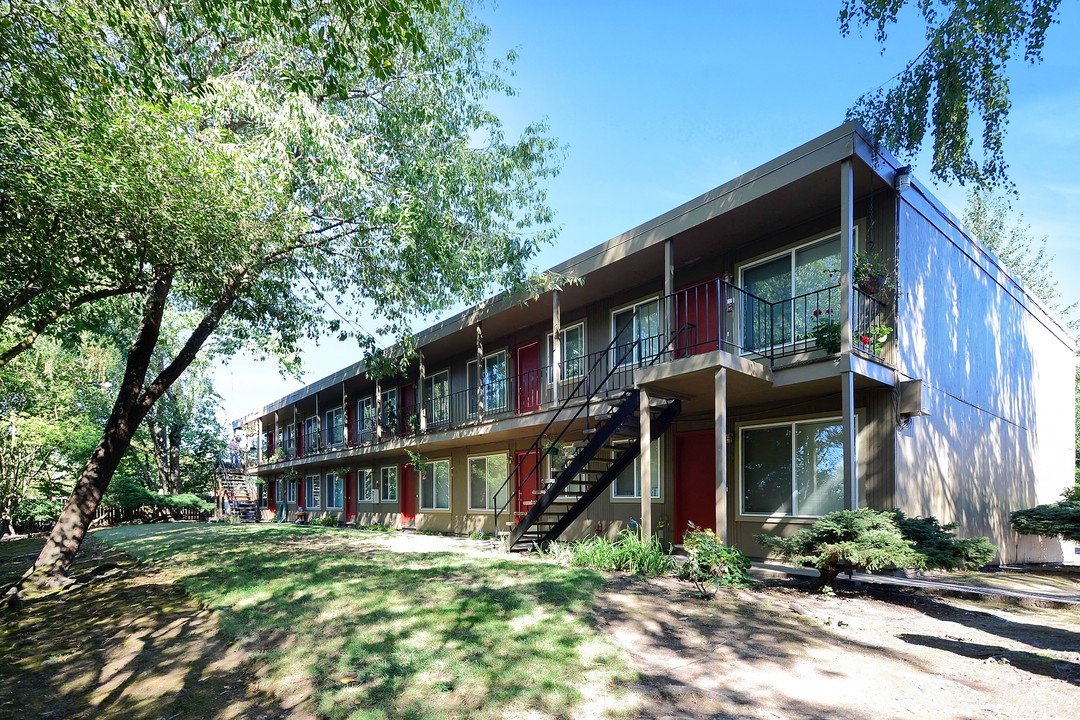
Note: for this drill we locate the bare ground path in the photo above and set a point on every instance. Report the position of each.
(133, 644)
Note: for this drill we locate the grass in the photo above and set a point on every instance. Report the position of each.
(627, 552)
(373, 633)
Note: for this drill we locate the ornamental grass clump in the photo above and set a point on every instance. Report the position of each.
(628, 552)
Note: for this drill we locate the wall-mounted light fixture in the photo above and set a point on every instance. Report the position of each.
(903, 178)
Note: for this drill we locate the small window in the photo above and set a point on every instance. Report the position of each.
(312, 496)
(486, 475)
(311, 435)
(290, 491)
(365, 414)
(333, 428)
(437, 399)
(435, 486)
(639, 333)
(628, 484)
(365, 485)
(388, 483)
(572, 340)
(390, 411)
(335, 492)
(494, 381)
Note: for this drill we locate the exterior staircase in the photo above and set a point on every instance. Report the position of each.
(240, 491)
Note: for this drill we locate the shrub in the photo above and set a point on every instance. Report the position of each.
(939, 545)
(36, 511)
(846, 541)
(1052, 520)
(327, 521)
(711, 564)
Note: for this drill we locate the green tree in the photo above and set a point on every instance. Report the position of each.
(957, 83)
(378, 182)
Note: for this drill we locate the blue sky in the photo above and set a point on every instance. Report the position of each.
(657, 103)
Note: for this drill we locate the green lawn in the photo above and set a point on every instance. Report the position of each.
(373, 630)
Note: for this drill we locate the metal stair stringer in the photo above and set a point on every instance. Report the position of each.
(587, 453)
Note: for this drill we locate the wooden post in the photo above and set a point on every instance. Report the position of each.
(556, 345)
(420, 404)
(720, 447)
(378, 411)
(847, 399)
(479, 373)
(669, 291)
(344, 416)
(847, 252)
(645, 462)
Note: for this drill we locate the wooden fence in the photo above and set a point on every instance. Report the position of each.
(111, 516)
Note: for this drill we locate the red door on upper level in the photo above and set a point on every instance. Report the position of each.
(527, 363)
(697, 319)
(408, 496)
(695, 481)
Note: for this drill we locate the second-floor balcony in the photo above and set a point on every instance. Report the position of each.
(711, 316)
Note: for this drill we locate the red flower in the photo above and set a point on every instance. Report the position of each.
(829, 311)
(817, 312)
(865, 340)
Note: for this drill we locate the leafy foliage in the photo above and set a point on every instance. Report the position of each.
(960, 76)
(127, 493)
(939, 545)
(36, 511)
(1054, 519)
(710, 563)
(329, 520)
(844, 541)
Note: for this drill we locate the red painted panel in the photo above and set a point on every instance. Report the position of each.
(527, 477)
(300, 493)
(527, 363)
(350, 496)
(695, 481)
(408, 496)
(271, 499)
(697, 319)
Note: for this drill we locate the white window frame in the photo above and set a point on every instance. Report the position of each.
(384, 485)
(581, 360)
(312, 487)
(657, 449)
(393, 427)
(635, 357)
(364, 433)
(473, 412)
(429, 401)
(330, 493)
(449, 484)
(309, 422)
(328, 426)
(290, 491)
(792, 422)
(485, 508)
(361, 493)
(288, 440)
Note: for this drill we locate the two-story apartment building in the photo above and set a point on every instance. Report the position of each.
(721, 365)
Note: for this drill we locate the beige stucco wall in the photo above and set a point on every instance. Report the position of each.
(998, 386)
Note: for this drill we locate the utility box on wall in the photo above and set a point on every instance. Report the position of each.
(912, 399)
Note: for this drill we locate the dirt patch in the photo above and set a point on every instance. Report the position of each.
(128, 644)
(781, 653)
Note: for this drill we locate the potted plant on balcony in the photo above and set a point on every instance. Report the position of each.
(826, 331)
(873, 340)
(871, 275)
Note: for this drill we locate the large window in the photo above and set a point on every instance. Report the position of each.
(493, 380)
(365, 419)
(639, 332)
(311, 435)
(437, 399)
(486, 475)
(794, 468)
(312, 496)
(628, 484)
(335, 491)
(572, 341)
(435, 486)
(388, 483)
(333, 428)
(797, 282)
(365, 485)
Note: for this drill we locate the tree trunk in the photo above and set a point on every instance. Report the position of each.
(161, 452)
(174, 484)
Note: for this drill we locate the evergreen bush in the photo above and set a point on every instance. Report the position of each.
(940, 546)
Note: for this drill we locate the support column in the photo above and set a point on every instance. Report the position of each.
(277, 433)
(669, 291)
(847, 252)
(720, 447)
(344, 416)
(479, 373)
(318, 428)
(422, 407)
(645, 462)
(556, 344)
(296, 433)
(851, 479)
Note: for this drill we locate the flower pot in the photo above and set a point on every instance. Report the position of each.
(872, 285)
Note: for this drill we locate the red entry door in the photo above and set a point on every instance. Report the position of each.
(527, 478)
(271, 499)
(409, 409)
(527, 362)
(408, 496)
(695, 481)
(697, 319)
(350, 496)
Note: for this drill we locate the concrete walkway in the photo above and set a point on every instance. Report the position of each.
(999, 585)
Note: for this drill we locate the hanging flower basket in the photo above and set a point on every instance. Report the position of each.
(871, 275)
